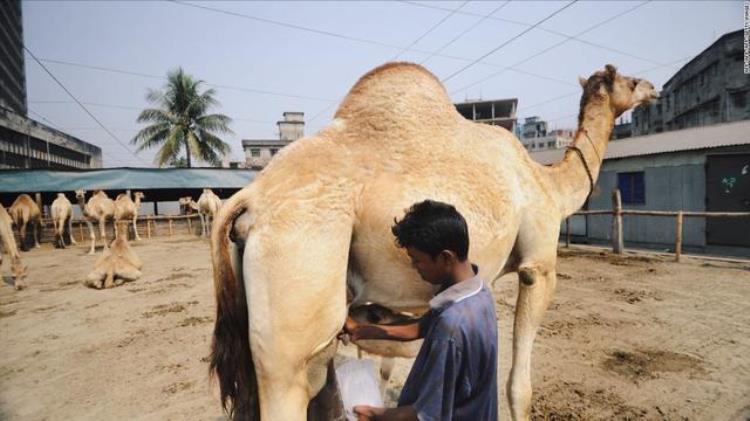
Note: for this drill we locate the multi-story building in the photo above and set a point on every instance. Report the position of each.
(533, 127)
(25, 143)
(499, 112)
(536, 136)
(12, 72)
(258, 152)
(710, 89)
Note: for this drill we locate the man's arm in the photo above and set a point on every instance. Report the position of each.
(406, 332)
(402, 413)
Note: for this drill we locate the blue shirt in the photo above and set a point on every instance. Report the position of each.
(455, 374)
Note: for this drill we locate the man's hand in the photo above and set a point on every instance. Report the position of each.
(368, 413)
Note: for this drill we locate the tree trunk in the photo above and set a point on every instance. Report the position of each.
(187, 149)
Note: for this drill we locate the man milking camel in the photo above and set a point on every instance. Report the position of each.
(454, 376)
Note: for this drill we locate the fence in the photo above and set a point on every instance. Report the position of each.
(617, 212)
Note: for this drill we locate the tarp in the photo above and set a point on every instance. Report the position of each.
(41, 180)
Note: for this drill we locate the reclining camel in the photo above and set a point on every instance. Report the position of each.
(62, 216)
(25, 211)
(316, 223)
(117, 264)
(18, 270)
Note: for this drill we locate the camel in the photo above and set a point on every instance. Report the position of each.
(62, 216)
(17, 269)
(117, 264)
(24, 211)
(188, 205)
(99, 207)
(314, 227)
(208, 204)
(127, 209)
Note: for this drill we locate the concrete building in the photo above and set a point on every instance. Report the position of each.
(26, 143)
(12, 71)
(258, 152)
(499, 112)
(697, 169)
(710, 89)
(536, 136)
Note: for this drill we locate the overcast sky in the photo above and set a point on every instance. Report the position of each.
(265, 58)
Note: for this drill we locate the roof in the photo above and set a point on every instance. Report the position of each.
(488, 101)
(704, 137)
(42, 180)
(264, 142)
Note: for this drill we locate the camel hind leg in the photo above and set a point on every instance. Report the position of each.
(537, 254)
(70, 230)
(293, 336)
(37, 231)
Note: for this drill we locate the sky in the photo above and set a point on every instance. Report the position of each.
(264, 58)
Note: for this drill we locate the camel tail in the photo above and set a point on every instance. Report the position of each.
(231, 359)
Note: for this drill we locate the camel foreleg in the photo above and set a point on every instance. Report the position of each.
(92, 236)
(70, 230)
(536, 286)
(103, 232)
(135, 227)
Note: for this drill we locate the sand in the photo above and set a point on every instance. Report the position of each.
(634, 337)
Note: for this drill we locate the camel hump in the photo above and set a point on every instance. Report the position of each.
(397, 89)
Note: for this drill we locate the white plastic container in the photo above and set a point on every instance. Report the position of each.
(359, 385)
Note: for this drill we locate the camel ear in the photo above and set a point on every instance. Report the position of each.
(582, 81)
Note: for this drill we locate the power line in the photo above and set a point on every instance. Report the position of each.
(83, 106)
(541, 28)
(553, 46)
(432, 28)
(494, 50)
(57, 127)
(465, 31)
(151, 76)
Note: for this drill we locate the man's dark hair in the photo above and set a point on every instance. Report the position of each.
(432, 227)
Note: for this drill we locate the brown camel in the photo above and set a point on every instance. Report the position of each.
(316, 223)
(127, 209)
(62, 217)
(24, 211)
(99, 208)
(117, 264)
(17, 269)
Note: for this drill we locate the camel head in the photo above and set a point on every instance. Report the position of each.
(185, 200)
(19, 270)
(624, 92)
(80, 194)
(139, 195)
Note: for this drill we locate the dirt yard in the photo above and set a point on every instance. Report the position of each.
(625, 338)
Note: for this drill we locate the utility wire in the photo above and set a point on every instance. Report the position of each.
(494, 50)
(83, 106)
(465, 31)
(553, 46)
(432, 28)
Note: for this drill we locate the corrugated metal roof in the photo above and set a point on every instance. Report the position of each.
(40, 180)
(704, 137)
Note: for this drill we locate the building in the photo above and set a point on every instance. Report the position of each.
(710, 89)
(12, 71)
(25, 143)
(536, 136)
(702, 169)
(499, 112)
(622, 129)
(258, 152)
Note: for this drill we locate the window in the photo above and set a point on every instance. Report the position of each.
(739, 99)
(255, 152)
(551, 144)
(632, 187)
(273, 151)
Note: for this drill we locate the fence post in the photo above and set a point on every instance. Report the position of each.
(678, 238)
(617, 240)
(170, 227)
(80, 230)
(148, 227)
(190, 225)
(567, 232)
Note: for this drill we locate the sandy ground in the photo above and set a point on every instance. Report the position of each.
(625, 338)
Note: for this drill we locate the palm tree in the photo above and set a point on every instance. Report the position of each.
(179, 119)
